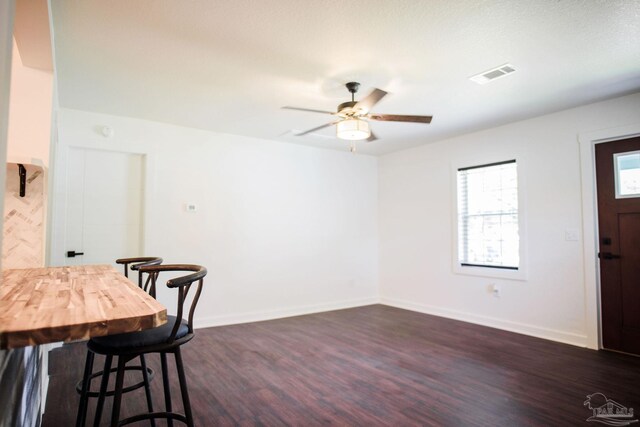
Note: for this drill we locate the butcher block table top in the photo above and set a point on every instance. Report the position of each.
(43, 305)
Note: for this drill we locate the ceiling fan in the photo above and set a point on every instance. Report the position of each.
(352, 116)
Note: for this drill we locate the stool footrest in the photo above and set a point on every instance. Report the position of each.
(112, 392)
(153, 416)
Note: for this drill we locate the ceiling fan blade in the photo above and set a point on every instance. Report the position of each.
(400, 118)
(370, 100)
(372, 137)
(308, 110)
(326, 125)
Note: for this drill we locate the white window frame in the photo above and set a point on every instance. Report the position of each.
(616, 175)
(488, 271)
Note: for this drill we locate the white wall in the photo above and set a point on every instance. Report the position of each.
(286, 229)
(29, 113)
(416, 224)
(283, 229)
(7, 10)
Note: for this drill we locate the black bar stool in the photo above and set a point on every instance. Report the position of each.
(83, 387)
(164, 339)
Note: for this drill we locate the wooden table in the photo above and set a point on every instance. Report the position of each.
(43, 305)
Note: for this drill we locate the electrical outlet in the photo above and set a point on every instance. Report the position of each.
(495, 290)
(191, 207)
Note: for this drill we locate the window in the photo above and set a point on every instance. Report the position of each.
(627, 176)
(488, 232)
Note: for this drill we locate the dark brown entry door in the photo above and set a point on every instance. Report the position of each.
(618, 178)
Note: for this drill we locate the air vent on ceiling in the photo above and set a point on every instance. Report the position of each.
(492, 74)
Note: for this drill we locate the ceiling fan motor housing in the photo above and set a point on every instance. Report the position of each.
(346, 105)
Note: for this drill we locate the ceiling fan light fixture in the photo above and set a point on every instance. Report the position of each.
(353, 129)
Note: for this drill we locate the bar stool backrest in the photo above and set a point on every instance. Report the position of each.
(183, 284)
(135, 264)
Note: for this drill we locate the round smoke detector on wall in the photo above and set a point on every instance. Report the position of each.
(106, 131)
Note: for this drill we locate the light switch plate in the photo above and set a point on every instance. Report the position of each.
(571, 235)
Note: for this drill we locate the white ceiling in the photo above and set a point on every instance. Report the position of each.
(229, 65)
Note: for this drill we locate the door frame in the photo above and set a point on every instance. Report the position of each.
(587, 142)
(59, 198)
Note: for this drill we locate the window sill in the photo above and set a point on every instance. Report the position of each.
(498, 273)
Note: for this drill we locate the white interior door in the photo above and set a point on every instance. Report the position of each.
(104, 206)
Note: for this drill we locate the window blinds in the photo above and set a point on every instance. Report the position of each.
(488, 216)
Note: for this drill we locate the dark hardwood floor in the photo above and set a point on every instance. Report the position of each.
(372, 365)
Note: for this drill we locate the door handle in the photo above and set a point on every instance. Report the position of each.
(608, 255)
(73, 254)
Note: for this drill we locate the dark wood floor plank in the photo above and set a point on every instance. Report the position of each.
(373, 366)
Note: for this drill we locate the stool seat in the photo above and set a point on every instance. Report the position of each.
(136, 340)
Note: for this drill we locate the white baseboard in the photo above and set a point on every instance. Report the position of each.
(259, 316)
(507, 325)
